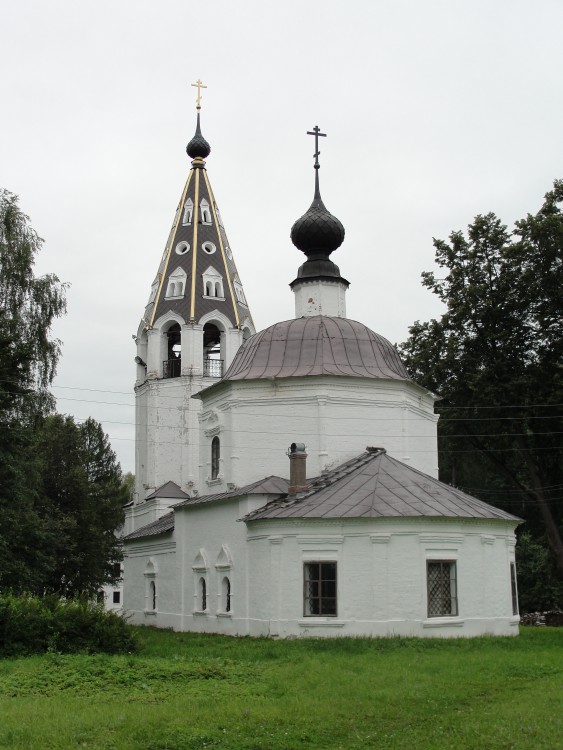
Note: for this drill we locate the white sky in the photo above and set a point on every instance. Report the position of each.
(435, 111)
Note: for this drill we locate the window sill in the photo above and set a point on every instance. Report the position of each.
(224, 614)
(200, 614)
(149, 612)
(213, 482)
(443, 622)
(205, 296)
(315, 622)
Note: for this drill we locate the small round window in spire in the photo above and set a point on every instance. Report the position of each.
(229, 252)
(208, 247)
(182, 248)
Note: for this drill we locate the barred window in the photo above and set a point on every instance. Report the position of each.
(319, 589)
(442, 588)
(514, 588)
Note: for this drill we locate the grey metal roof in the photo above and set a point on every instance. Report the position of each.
(169, 490)
(160, 526)
(374, 485)
(317, 345)
(269, 486)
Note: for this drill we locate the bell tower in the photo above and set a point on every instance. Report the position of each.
(196, 318)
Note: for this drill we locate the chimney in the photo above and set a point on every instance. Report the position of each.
(297, 468)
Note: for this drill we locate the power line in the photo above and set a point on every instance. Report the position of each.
(128, 393)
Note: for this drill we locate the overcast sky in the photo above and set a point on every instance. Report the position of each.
(435, 111)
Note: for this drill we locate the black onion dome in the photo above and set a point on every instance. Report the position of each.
(317, 231)
(198, 146)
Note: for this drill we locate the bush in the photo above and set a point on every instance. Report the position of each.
(32, 624)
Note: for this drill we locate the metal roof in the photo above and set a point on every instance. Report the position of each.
(269, 486)
(374, 485)
(197, 241)
(160, 526)
(317, 345)
(169, 490)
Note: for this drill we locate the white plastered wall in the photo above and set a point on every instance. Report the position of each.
(381, 573)
(336, 418)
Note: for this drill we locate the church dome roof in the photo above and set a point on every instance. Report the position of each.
(317, 345)
(198, 146)
(317, 231)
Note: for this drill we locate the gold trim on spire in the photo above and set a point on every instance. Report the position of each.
(199, 85)
(171, 243)
(194, 257)
(233, 298)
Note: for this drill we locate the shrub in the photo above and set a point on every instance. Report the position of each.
(32, 624)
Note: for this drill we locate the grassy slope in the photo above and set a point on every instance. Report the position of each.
(188, 691)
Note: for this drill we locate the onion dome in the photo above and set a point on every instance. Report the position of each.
(198, 146)
(317, 234)
(317, 345)
(317, 231)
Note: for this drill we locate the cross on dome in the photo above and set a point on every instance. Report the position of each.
(199, 85)
(317, 133)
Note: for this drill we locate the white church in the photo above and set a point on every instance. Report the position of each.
(286, 480)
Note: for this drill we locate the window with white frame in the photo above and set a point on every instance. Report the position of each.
(209, 247)
(182, 248)
(239, 291)
(215, 457)
(213, 284)
(154, 289)
(150, 588)
(319, 589)
(188, 212)
(226, 594)
(218, 215)
(441, 580)
(202, 594)
(176, 284)
(514, 589)
(205, 212)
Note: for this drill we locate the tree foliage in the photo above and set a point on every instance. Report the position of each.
(495, 357)
(61, 492)
(28, 360)
(83, 494)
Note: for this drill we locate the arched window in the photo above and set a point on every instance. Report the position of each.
(188, 213)
(172, 366)
(215, 456)
(226, 589)
(209, 289)
(205, 212)
(202, 595)
(152, 595)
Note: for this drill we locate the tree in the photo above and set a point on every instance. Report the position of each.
(83, 494)
(28, 360)
(495, 357)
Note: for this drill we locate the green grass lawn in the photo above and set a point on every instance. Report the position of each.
(187, 691)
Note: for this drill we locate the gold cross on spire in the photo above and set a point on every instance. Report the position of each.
(199, 86)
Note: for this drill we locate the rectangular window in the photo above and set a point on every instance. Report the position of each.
(116, 597)
(442, 588)
(319, 589)
(514, 588)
